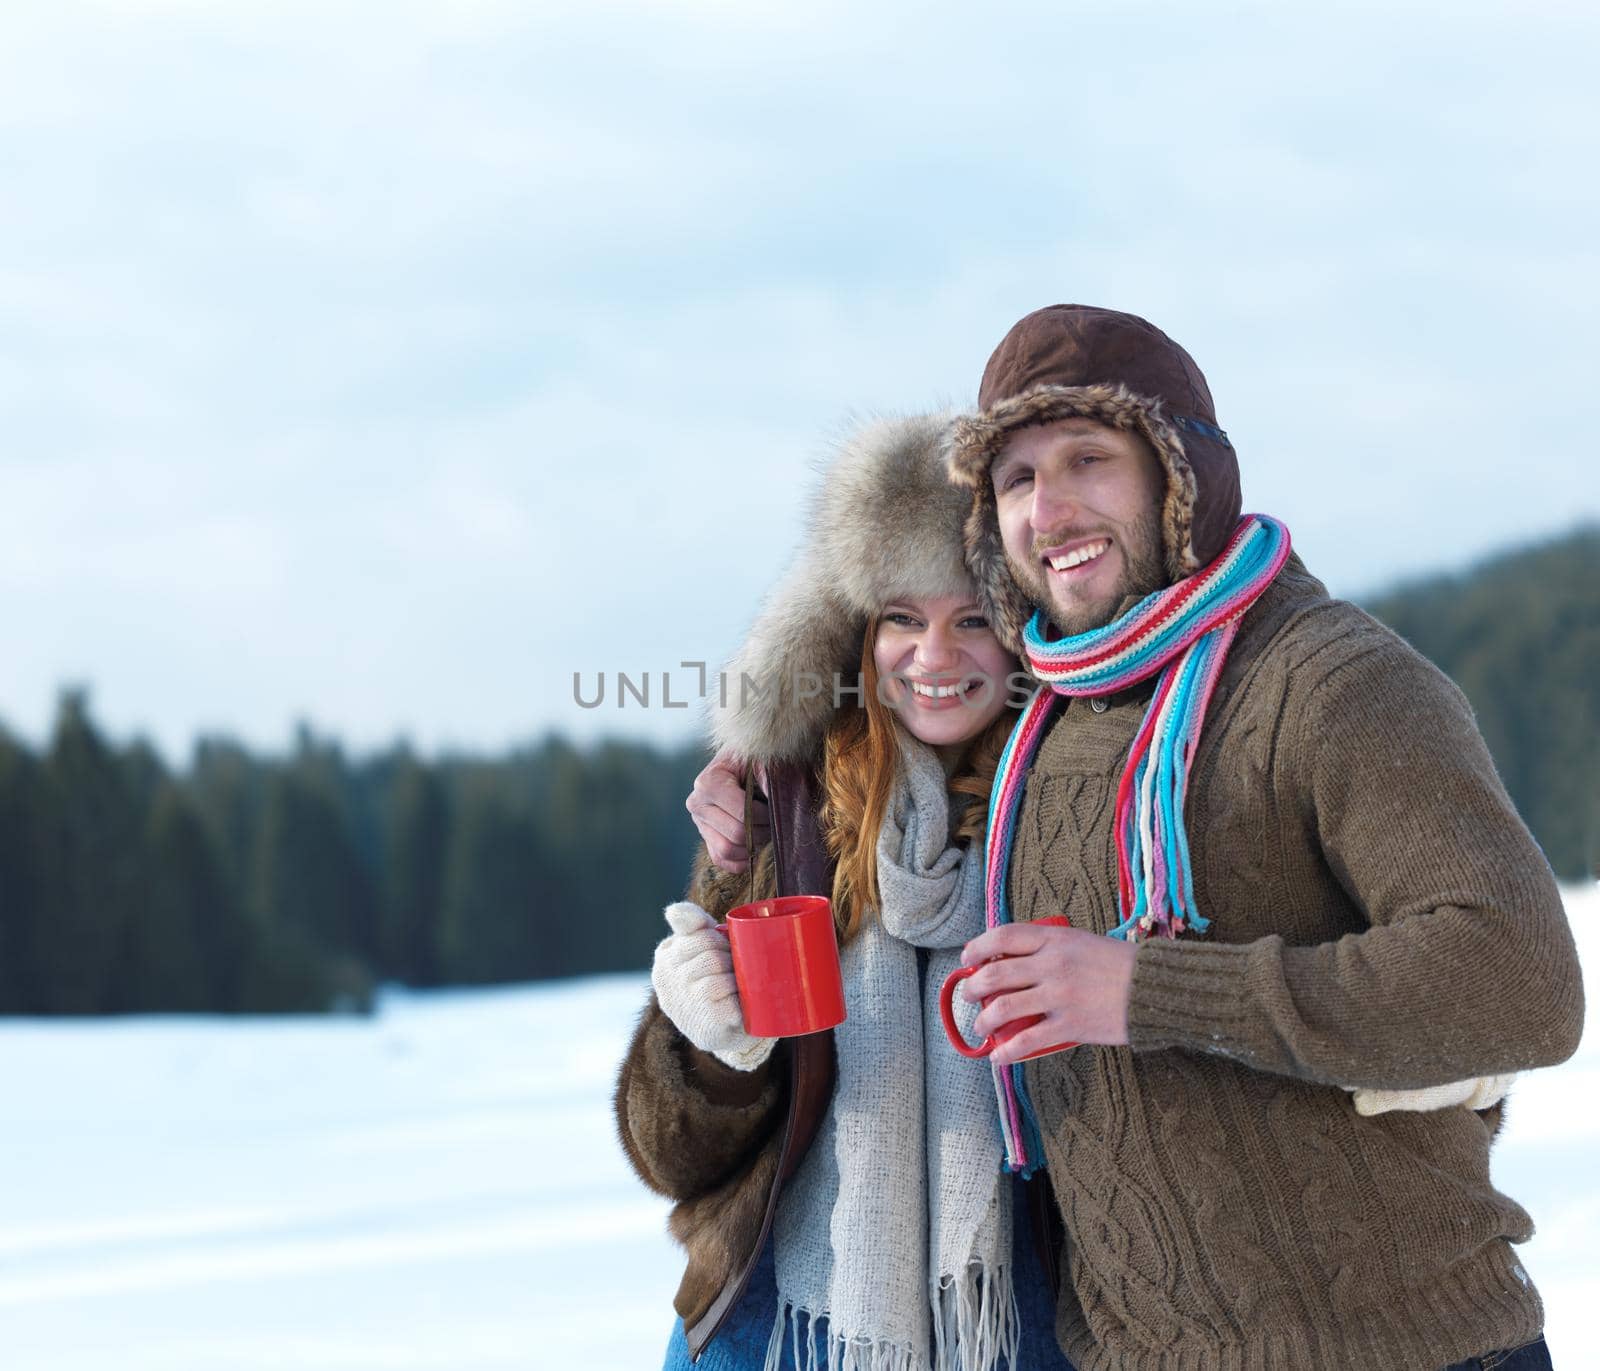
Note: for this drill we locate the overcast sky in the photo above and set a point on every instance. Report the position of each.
(384, 365)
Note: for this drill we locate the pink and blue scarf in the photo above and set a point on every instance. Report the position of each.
(1184, 633)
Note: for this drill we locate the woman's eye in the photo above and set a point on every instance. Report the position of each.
(975, 621)
(899, 620)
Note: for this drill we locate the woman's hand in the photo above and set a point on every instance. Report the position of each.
(1478, 1092)
(717, 806)
(694, 984)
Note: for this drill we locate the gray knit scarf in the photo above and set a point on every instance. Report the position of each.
(897, 1226)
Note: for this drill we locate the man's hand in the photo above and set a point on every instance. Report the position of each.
(717, 806)
(1079, 982)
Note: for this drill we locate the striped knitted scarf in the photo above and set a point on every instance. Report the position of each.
(1183, 632)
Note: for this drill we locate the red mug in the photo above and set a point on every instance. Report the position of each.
(786, 961)
(1006, 1031)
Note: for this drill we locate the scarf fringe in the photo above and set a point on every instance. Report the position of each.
(831, 1352)
(976, 1323)
(976, 1327)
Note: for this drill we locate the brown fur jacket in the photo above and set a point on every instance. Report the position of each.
(700, 1132)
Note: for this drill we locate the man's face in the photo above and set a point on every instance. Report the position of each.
(1079, 507)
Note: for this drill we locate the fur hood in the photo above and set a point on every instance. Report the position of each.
(884, 522)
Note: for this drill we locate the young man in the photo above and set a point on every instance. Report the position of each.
(1317, 884)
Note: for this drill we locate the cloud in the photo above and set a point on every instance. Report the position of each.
(387, 365)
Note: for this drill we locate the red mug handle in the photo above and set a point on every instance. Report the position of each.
(948, 1014)
(947, 1011)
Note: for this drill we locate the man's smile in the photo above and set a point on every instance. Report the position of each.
(1067, 558)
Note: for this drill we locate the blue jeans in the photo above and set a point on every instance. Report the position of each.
(1531, 1356)
(741, 1343)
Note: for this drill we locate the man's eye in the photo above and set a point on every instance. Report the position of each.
(1016, 478)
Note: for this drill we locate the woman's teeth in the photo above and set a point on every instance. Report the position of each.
(936, 692)
(1078, 556)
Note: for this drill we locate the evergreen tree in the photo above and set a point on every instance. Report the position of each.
(228, 786)
(307, 872)
(22, 892)
(415, 838)
(499, 891)
(183, 947)
(91, 865)
(622, 844)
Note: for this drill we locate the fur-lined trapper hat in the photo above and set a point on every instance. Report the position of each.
(885, 522)
(1077, 361)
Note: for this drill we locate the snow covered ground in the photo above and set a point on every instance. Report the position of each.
(439, 1187)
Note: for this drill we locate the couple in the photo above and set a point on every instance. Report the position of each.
(1331, 938)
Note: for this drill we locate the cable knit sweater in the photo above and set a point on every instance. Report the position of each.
(1381, 917)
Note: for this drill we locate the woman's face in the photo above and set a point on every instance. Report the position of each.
(940, 667)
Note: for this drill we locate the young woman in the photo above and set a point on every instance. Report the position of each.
(841, 1195)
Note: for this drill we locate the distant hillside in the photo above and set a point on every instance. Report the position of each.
(1520, 634)
(251, 883)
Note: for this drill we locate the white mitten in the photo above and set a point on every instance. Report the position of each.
(693, 977)
(1480, 1092)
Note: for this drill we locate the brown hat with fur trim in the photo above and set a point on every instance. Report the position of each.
(1078, 361)
(884, 522)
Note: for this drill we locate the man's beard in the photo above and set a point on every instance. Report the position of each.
(1144, 571)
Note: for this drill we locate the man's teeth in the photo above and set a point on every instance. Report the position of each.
(1078, 556)
(935, 692)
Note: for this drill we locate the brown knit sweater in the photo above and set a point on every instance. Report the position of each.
(1380, 917)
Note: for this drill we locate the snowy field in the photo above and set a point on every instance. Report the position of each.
(439, 1187)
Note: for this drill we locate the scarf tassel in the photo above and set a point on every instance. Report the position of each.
(976, 1323)
(976, 1327)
